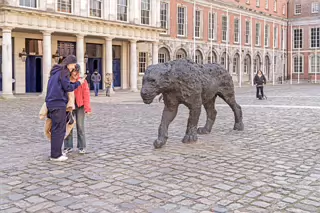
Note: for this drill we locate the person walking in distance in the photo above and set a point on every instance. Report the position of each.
(88, 78)
(82, 108)
(259, 80)
(108, 83)
(96, 78)
(56, 100)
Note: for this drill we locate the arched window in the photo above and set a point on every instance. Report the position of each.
(198, 58)
(236, 64)
(212, 57)
(314, 64)
(257, 64)
(225, 61)
(163, 55)
(181, 53)
(247, 64)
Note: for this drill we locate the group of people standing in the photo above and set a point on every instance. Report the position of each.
(95, 78)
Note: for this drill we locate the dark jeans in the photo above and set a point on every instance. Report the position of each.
(58, 131)
(81, 140)
(96, 88)
(261, 91)
(108, 91)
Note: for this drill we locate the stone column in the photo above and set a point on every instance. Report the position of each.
(46, 60)
(7, 63)
(134, 11)
(109, 58)
(80, 53)
(155, 50)
(133, 66)
(154, 13)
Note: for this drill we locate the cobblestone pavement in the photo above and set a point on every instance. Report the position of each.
(272, 166)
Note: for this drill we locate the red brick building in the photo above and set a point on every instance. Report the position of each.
(243, 35)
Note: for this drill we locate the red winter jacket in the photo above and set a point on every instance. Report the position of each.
(82, 95)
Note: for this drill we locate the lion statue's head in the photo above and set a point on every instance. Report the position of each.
(156, 80)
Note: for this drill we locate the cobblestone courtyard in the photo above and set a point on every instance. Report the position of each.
(272, 166)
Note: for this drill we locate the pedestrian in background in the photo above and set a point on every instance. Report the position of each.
(82, 107)
(259, 80)
(108, 83)
(88, 78)
(56, 100)
(96, 78)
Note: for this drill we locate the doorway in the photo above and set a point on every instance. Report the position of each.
(116, 65)
(34, 74)
(93, 65)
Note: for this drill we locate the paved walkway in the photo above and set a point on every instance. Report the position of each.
(272, 166)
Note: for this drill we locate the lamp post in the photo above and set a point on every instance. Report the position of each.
(23, 55)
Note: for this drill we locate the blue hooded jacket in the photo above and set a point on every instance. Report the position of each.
(58, 87)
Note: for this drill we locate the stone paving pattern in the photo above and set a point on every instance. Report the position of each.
(272, 166)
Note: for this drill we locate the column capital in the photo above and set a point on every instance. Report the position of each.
(47, 33)
(133, 40)
(7, 29)
(80, 35)
(109, 38)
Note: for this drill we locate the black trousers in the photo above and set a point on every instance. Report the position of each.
(58, 130)
(261, 91)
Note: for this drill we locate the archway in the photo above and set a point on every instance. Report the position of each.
(198, 57)
(181, 53)
(225, 60)
(267, 66)
(257, 64)
(212, 57)
(163, 55)
(247, 66)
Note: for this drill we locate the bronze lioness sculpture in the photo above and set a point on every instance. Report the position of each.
(185, 82)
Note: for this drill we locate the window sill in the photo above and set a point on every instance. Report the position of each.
(141, 74)
(181, 36)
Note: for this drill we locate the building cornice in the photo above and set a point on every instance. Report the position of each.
(42, 20)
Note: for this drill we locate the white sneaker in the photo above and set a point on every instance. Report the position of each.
(82, 151)
(60, 159)
(67, 150)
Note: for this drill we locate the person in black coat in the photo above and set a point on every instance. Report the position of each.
(259, 80)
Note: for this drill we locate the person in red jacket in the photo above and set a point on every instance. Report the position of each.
(82, 107)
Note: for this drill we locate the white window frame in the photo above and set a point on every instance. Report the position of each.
(267, 4)
(226, 31)
(266, 35)
(302, 64)
(145, 62)
(237, 34)
(275, 5)
(198, 57)
(310, 62)
(258, 36)
(200, 23)
(37, 5)
(257, 3)
(275, 36)
(284, 9)
(295, 9)
(185, 28)
(249, 32)
(310, 33)
(101, 11)
(127, 6)
(167, 16)
(247, 1)
(214, 23)
(294, 37)
(72, 9)
(150, 11)
(315, 7)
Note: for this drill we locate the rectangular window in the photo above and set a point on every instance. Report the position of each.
(181, 21)
(34, 47)
(267, 4)
(298, 64)
(266, 36)
(145, 11)
(64, 6)
(297, 38)
(164, 15)
(161, 58)
(258, 3)
(282, 38)
(29, 3)
(315, 7)
(211, 25)
(142, 62)
(275, 2)
(95, 8)
(236, 30)
(283, 9)
(313, 63)
(315, 37)
(224, 28)
(197, 24)
(275, 37)
(247, 32)
(247, 1)
(258, 34)
(297, 9)
(122, 10)
(66, 48)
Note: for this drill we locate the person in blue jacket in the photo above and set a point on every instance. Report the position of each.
(57, 98)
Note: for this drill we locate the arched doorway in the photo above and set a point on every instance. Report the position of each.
(236, 64)
(225, 60)
(212, 57)
(267, 66)
(247, 66)
(163, 55)
(257, 64)
(198, 57)
(181, 53)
